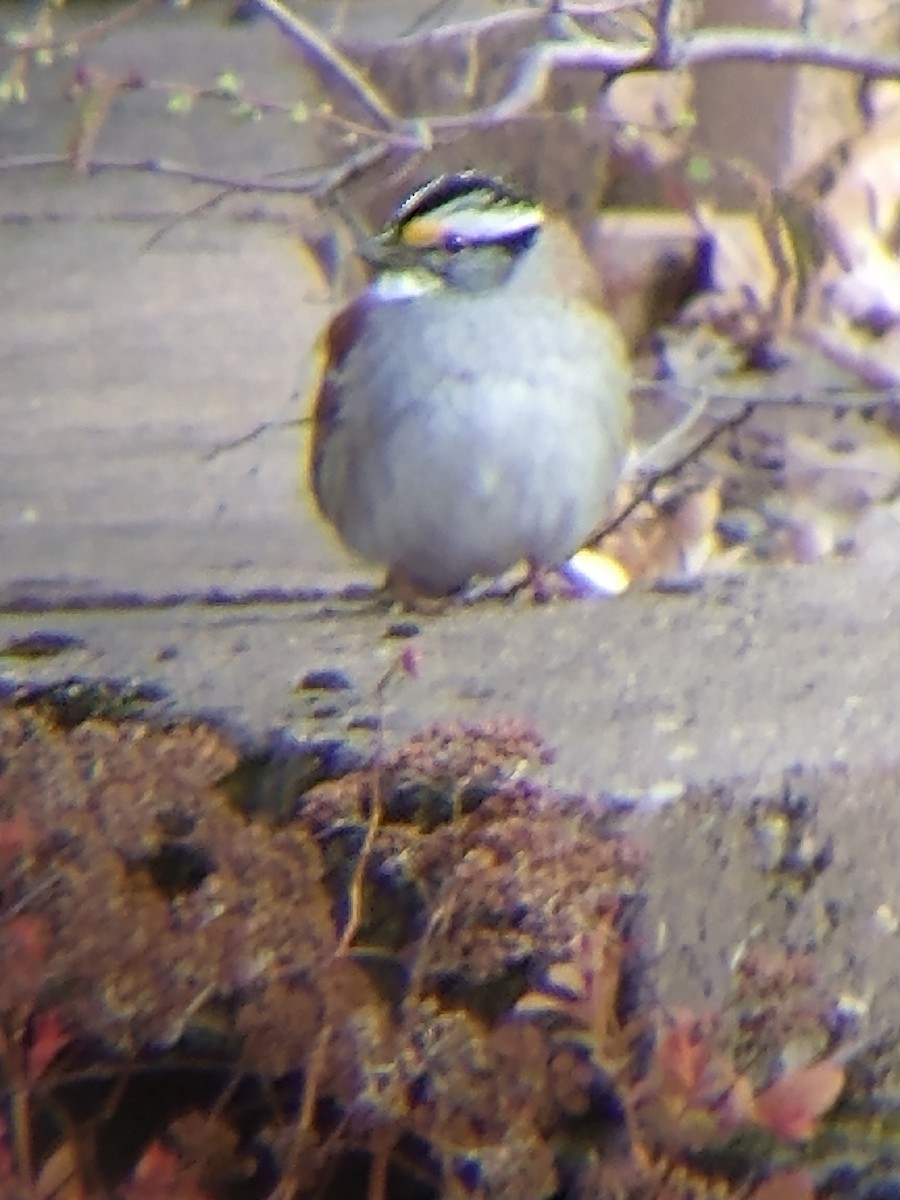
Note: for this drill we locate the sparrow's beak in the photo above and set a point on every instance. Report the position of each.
(375, 249)
(383, 250)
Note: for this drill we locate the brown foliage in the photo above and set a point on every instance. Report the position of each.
(361, 958)
(423, 962)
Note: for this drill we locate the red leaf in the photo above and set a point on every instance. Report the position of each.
(16, 836)
(48, 1037)
(793, 1103)
(159, 1175)
(683, 1055)
(26, 937)
(7, 1163)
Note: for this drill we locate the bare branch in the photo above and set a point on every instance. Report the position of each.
(319, 182)
(836, 398)
(328, 180)
(476, 27)
(772, 46)
(664, 27)
(91, 33)
(646, 492)
(667, 51)
(611, 58)
(332, 62)
(680, 53)
(473, 28)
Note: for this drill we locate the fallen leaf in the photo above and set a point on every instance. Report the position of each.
(159, 1175)
(683, 1056)
(48, 1038)
(791, 1106)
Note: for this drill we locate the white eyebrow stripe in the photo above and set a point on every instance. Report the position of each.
(491, 225)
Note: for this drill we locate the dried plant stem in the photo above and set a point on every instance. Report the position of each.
(383, 1143)
(160, 166)
(313, 1074)
(94, 32)
(664, 30)
(382, 1148)
(839, 398)
(329, 59)
(288, 1187)
(665, 50)
(21, 1123)
(358, 882)
(20, 1117)
(646, 492)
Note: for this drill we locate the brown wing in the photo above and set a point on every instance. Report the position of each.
(331, 352)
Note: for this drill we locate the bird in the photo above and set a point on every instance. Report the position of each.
(472, 409)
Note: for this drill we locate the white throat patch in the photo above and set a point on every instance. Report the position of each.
(403, 285)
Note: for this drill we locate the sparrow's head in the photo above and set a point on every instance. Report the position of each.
(466, 231)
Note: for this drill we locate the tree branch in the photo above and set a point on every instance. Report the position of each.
(773, 46)
(13, 45)
(645, 493)
(332, 62)
(319, 182)
(678, 54)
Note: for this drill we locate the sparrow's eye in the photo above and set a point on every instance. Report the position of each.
(454, 242)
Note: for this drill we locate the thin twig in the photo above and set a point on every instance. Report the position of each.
(332, 62)
(678, 53)
(837, 397)
(198, 210)
(664, 27)
(315, 1066)
(473, 28)
(319, 183)
(91, 33)
(14, 1067)
(424, 21)
(646, 492)
(257, 431)
(161, 166)
(772, 46)
(207, 205)
(661, 448)
(666, 50)
(357, 883)
(382, 1147)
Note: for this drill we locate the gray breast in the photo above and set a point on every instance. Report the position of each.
(476, 431)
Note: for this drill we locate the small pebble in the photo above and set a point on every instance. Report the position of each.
(366, 721)
(325, 679)
(402, 629)
(739, 526)
(678, 585)
(323, 712)
(41, 644)
(358, 591)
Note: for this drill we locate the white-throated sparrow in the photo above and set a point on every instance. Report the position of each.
(474, 409)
